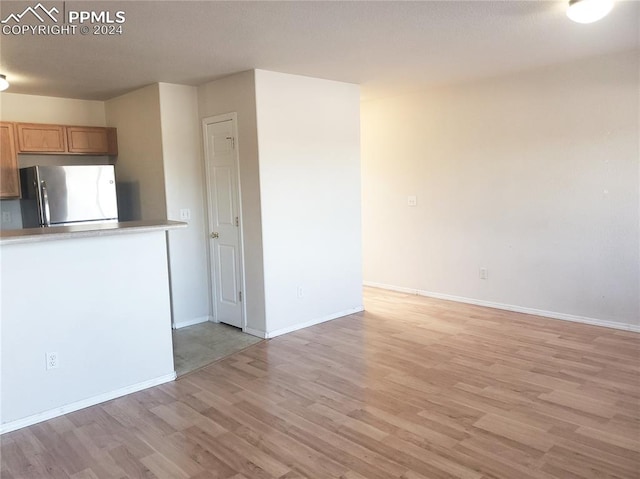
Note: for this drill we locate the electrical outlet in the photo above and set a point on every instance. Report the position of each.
(412, 200)
(52, 360)
(300, 292)
(484, 274)
(6, 216)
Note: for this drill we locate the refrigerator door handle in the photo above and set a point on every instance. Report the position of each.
(45, 204)
(38, 196)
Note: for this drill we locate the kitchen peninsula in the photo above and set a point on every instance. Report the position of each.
(85, 316)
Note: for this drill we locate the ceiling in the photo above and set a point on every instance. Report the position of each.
(383, 45)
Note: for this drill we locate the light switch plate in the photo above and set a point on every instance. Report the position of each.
(185, 214)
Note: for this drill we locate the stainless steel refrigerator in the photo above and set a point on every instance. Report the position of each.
(68, 195)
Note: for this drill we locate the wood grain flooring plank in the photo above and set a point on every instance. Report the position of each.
(86, 474)
(130, 464)
(233, 461)
(587, 463)
(517, 431)
(298, 456)
(339, 449)
(163, 468)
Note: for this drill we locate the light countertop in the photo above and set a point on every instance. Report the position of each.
(35, 235)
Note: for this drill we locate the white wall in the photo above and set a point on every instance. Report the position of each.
(103, 307)
(309, 143)
(236, 93)
(139, 169)
(533, 176)
(183, 178)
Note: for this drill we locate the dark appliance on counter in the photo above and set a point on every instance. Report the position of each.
(68, 195)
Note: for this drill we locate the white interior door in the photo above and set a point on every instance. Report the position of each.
(224, 220)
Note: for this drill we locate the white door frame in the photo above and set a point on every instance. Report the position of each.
(233, 116)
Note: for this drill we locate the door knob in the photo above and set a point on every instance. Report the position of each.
(215, 235)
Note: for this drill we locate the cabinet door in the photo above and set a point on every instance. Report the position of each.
(37, 138)
(9, 181)
(92, 140)
(87, 140)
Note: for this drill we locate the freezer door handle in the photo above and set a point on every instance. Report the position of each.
(45, 204)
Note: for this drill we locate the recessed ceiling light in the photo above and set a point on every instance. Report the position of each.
(4, 84)
(588, 11)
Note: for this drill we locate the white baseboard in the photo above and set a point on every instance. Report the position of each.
(510, 307)
(92, 401)
(289, 329)
(255, 332)
(191, 322)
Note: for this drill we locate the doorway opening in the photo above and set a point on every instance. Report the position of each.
(198, 345)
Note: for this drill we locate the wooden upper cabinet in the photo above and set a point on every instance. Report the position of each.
(61, 139)
(92, 140)
(39, 138)
(9, 181)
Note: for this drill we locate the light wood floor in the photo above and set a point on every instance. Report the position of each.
(413, 388)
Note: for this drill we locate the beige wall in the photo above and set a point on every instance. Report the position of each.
(183, 177)
(160, 164)
(236, 93)
(309, 142)
(533, 176)
(47, 109)
(139, 169)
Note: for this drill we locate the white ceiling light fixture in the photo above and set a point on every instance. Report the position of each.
(588, 11)
(4, 84)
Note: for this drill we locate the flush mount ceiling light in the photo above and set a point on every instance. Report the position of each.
(588, 11)
(4, 84)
